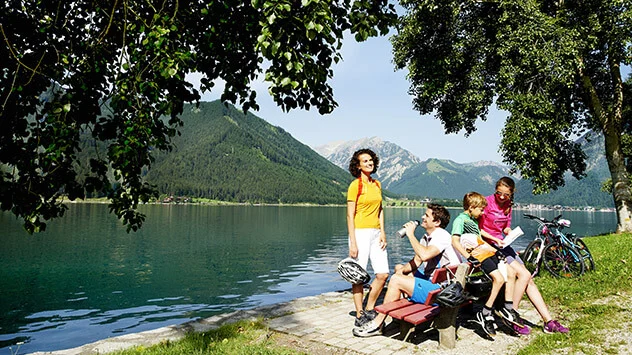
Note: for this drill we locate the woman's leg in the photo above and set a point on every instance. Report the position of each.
(538, 302)
(379, 264)
(363, 241)
(358, 297)
(523, 276)
(375, 289)
(524, 282)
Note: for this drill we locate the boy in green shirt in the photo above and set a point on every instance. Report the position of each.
(466, 239)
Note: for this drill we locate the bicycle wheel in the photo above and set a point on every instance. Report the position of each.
(530, 257)
(563, 260)
(589, 263)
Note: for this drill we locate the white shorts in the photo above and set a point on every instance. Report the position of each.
(368, 241)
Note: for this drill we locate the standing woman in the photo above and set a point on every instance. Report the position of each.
(495, 224)
(365, 222)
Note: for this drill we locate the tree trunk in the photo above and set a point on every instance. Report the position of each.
(620, 180)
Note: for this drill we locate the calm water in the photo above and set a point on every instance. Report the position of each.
(86, 279)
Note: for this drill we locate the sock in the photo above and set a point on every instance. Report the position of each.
(508, 305)
(487, 311)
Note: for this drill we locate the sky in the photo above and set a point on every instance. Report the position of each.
(374, 102)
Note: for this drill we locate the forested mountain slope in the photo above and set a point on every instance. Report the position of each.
(225, 155)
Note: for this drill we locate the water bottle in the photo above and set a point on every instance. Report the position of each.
(402, 232)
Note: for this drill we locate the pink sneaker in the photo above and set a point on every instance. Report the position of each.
(521, 329)
(554, 326)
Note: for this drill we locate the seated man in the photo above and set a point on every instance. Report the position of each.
(434, 249)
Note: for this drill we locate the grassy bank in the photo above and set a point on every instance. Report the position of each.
(592, 303)
(591, 306)
(238, 338)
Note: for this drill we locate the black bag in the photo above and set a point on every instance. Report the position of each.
(452, 295)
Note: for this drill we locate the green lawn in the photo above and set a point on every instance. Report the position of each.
(579, 299)
(243, 337)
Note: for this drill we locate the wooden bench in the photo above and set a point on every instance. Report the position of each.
(412, 314)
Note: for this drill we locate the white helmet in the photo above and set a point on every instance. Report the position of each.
(564, 223)
(352, 272)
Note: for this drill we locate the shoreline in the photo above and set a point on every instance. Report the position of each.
(302, 319)
(228, 203)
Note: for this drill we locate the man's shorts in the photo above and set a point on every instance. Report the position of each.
(422, 289)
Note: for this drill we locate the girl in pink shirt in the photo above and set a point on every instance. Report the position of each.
(495, 223)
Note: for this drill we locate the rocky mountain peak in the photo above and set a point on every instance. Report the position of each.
(394, 160)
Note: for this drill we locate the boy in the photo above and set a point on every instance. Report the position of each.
(483, 255)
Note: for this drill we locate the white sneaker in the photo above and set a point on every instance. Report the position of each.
(368, 330)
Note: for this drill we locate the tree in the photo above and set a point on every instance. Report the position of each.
(111, 72)
(555, 66)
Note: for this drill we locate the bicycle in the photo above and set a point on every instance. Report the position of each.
(563, 255)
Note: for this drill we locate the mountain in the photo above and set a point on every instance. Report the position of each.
(401, 172)
(447, 179)
(394, 160)
(584, 192)
(227, 155)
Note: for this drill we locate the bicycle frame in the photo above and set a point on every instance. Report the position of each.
(565, 256)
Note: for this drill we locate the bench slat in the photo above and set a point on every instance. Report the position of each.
(403, 312)
(389, 307)
(423, 316)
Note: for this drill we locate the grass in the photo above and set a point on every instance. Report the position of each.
(243, 337)
(579, 302)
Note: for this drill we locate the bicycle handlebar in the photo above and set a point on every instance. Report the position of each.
(552, 222)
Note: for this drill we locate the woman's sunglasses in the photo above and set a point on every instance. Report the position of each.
(498, 193)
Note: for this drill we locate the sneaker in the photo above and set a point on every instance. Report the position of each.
(509, 315)
(360, 321)
(369, 329)
(487, 322)
(521, 329)
(370, 315)
(554, 326)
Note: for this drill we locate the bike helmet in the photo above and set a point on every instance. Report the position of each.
(451, 296)
(564, 223)
(352, 272)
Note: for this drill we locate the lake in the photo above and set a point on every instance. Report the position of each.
(86, 279)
